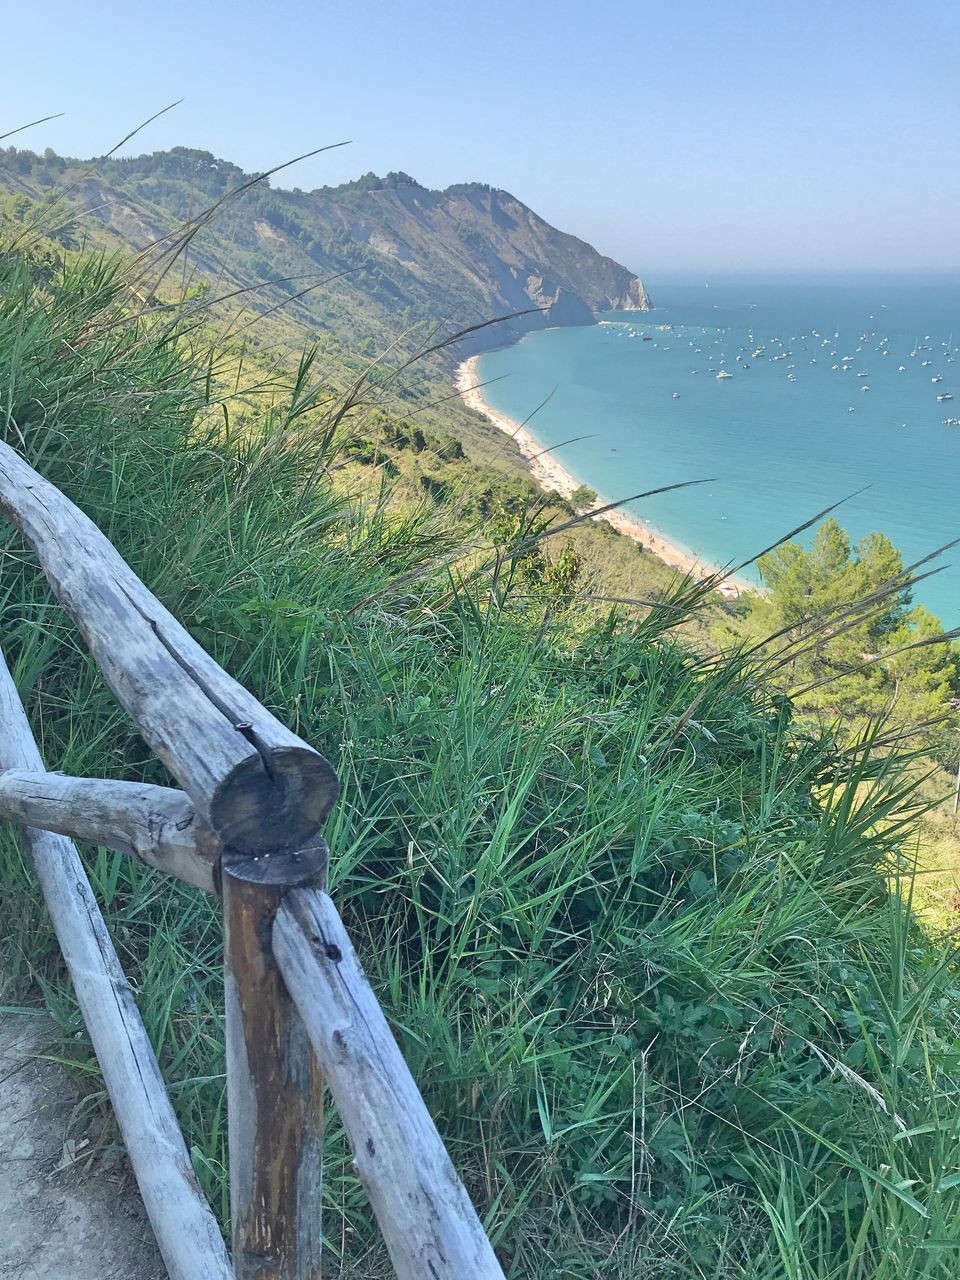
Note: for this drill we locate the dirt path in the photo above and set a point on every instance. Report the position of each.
(59, 1220)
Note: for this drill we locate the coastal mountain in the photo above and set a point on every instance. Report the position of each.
(382, 259)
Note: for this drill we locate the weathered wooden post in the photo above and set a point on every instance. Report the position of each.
(274, 1084)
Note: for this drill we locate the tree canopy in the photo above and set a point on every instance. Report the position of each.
(883, 658)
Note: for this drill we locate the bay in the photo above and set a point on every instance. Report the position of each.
(832, 396)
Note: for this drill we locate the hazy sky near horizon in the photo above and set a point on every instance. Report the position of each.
(704, 136)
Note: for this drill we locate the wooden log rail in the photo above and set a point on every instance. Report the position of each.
(298, 1007)
(252, 781)
(428, 1223)
(157, 825)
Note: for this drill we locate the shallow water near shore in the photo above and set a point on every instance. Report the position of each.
(833, 389)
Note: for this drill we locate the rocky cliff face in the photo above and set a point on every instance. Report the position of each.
(493, 244)
(396, 258)
(635, 299)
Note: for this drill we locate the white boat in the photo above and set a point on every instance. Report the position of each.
(676, 395)
(723, 374)
(864, 387)
(945, 395)
(938, 378)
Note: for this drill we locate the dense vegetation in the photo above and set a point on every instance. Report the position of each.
(629, 916)
(860, 650)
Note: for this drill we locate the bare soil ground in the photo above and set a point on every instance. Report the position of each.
(69, 1208)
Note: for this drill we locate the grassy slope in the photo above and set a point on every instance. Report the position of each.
(937, 854)
(624, 915)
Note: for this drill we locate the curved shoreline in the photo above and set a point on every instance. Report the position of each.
(553, 477)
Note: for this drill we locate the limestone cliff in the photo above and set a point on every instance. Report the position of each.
(492, 245)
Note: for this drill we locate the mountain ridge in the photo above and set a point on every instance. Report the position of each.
(404, 256)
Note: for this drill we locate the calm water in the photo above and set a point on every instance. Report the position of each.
(833, 390)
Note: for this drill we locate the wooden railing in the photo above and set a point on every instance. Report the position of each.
(299, 1011)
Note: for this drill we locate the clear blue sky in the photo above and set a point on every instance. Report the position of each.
(704, 135)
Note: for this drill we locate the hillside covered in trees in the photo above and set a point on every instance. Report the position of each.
(398, 262)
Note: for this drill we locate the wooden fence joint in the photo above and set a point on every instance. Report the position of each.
(253, 781)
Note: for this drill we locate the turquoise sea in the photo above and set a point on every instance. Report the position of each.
(834, 390)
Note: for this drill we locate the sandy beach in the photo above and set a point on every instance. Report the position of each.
(552, 476)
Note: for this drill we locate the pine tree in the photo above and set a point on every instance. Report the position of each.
(860, 670)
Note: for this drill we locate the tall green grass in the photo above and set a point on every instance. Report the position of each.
(631, 923)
